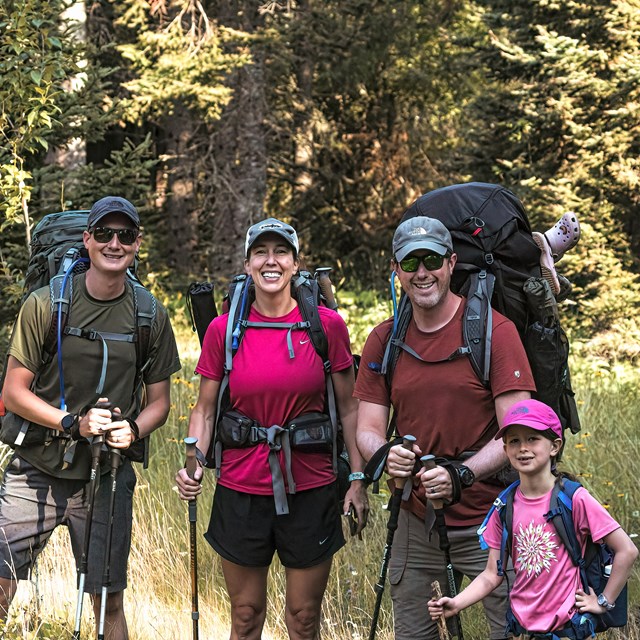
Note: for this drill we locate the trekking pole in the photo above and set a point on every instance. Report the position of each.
(96, 446)
(324, 282)
(116, 459)
(429, 462)
(392, 525)
(192, 465)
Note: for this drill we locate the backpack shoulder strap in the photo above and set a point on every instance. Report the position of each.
(560, 514)
(477, 323)
(145, 308)
(402, 318)
(503, 504)
(307, 292)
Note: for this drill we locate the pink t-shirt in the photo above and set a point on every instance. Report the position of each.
(543, 594)
(268, 386)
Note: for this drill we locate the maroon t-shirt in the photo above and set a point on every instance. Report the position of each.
(444, 405)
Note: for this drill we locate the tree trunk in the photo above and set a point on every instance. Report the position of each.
(176, 184)
(238, 172)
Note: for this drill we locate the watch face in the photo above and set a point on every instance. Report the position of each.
(67, 421)
(466, 476)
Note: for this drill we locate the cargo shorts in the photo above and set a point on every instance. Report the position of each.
(34, 503)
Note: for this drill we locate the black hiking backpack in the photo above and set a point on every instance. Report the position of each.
(594, 565)
(57, 253)
(498, 266)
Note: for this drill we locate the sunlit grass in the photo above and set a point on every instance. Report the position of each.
(158, 600)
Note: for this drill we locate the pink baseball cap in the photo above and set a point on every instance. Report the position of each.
(533, 414)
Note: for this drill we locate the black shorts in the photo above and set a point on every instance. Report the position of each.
(245, 529)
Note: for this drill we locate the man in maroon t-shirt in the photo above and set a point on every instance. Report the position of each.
(446, 407)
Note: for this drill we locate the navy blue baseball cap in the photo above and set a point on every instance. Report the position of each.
(112, 204)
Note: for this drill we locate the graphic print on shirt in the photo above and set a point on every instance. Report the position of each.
(534, 546)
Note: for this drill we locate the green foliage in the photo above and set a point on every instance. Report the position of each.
(362, 120)
(34, 63)
(178, 58)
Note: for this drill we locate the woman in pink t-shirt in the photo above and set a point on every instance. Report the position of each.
(269, 499)
(547, 592)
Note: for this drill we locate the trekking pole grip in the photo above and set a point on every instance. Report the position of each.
(324, 282)
(407, 443)
(191, 461)
(429, 462)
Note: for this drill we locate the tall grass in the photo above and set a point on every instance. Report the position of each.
(158, 600)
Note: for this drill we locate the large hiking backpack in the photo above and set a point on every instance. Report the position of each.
(233, 429)
(57, 253)
(498, 267)
(594, 566)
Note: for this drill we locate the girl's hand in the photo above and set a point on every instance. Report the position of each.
(588, 602)
(443, 605)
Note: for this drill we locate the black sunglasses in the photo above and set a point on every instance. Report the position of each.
(125, 236)
(431, 262)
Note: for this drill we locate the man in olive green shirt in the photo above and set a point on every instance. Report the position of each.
(44, 484)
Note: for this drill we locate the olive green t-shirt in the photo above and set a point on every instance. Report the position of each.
(83, 360)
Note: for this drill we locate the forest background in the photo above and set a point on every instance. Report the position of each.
(210, 115)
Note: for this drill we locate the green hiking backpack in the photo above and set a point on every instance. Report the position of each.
(57, 253)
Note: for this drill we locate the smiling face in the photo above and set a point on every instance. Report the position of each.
(271, 263)
(112, 256)
(528, 450)
(426, 289)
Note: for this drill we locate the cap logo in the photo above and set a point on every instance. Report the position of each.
(519, 411)
(270, 225)
(418, 231)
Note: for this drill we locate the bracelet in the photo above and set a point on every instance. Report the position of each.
(356, 475)
(133, 425)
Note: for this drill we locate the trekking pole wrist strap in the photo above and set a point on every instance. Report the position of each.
(201, 458)
(135, 429)
(74, 432)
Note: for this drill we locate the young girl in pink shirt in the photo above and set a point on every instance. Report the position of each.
(547, 598)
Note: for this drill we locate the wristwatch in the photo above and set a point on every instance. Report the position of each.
(467, 477)
(67, 422)
(603, 602)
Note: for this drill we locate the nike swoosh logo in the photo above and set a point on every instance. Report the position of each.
(323, 541)
(304, 341)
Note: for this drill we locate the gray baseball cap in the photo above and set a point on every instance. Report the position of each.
(112, 204)
(421, 233)
(271, 225)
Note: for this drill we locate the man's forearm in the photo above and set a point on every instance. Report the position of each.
(488, 460)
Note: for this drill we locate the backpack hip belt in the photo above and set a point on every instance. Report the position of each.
(311, 432)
